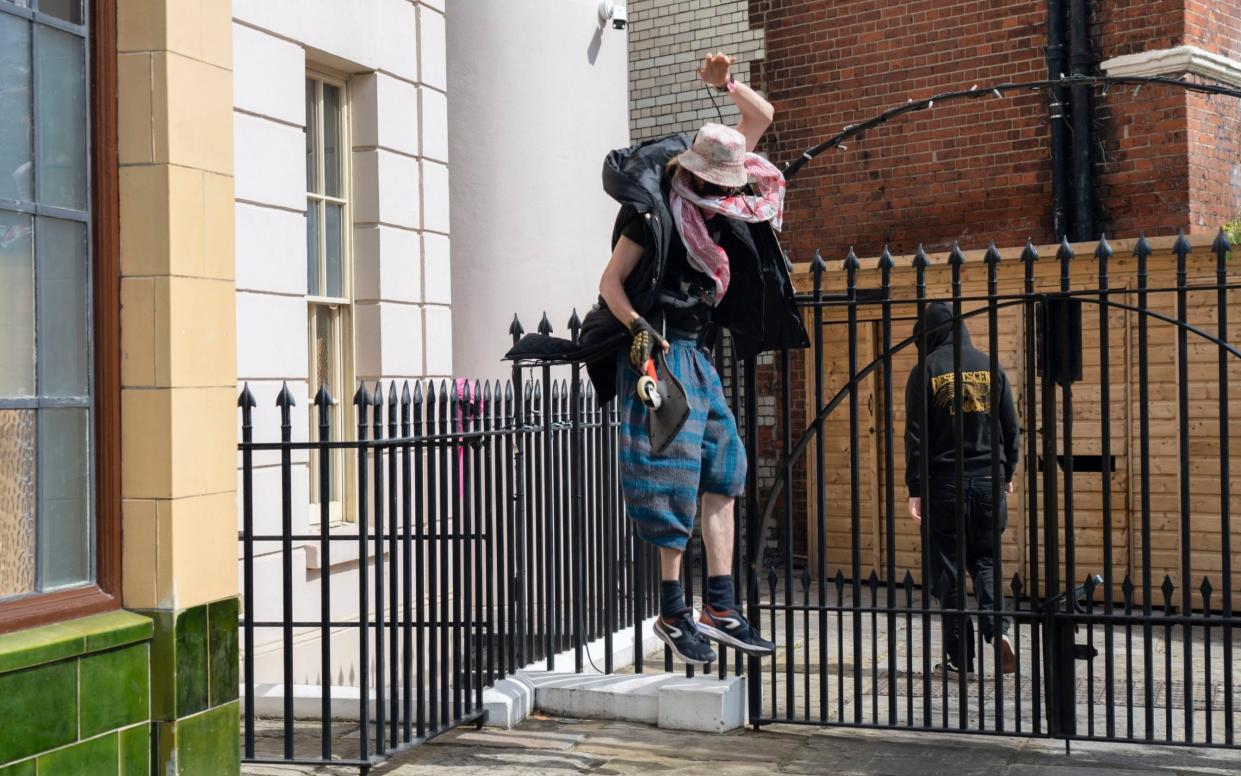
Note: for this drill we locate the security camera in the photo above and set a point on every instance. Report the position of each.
(615, 11)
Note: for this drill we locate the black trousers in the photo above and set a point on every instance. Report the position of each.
(980, 514)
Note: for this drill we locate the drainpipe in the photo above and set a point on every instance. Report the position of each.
(1057, 65)
(1081, 62)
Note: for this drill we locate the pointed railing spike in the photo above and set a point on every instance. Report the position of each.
(1065, 252)
(362, 396)
(545, 325)
(1222, 246)
(323, 397)
(885, 259)
(285, 399)
(574, 321)
(818, 266)
(1143, 248)
(392, 394)
(921, 260)
(405, 392)
(1103, 251)
(515, 328)
(1167, 587)
(992, 256)
(1029, 254)
(955, 257)
(377, 395)
(1181, 247)
(246, 398)
(851, 260)
(418, 395)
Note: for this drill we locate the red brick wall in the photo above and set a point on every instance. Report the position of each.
(1214, 123)
(1141, 164)
(967, 172)
(976, 171)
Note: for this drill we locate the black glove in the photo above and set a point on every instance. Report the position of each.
(645, 340)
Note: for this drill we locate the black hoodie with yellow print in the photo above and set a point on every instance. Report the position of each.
(938, 387)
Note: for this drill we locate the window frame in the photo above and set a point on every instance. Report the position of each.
(342, 513)
(104, 238)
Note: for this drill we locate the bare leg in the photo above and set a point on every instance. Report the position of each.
(670, 564)
(717, 533)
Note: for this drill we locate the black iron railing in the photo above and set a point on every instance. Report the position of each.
(486, 534)
(1124, 398)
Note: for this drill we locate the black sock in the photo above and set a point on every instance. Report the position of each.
(720, 592)
(671, 599)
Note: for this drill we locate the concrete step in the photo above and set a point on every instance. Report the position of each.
(668, 700)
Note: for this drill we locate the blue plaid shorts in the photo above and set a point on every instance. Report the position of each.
(661, 491)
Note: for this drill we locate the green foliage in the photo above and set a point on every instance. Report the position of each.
(1233, 230)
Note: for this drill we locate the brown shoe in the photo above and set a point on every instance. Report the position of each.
(1008, 657)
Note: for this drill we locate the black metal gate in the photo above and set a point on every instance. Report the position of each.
(1117, 566)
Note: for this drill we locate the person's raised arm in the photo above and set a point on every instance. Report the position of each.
(625, 256)
(756, 113)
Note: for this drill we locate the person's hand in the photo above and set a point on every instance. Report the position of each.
(645, 338)
(1009, 490)
(714, 70)
(915, 509)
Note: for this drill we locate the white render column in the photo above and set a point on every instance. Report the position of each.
(539, 96)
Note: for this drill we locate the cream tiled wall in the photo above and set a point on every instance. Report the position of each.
(177, 295)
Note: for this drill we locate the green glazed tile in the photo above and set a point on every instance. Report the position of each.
(208, 742)
(36, 646)
(136, 750)
(113, 629)
(116, 689)
(25, 768)
(163, 664)
(191, 661)
(222, 647)
(164, 747)
(38, 709)
(95, 757)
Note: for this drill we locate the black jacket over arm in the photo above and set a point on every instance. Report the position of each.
(937, 388)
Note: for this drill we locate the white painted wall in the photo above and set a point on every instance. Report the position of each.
(539, 96)
(392, 55)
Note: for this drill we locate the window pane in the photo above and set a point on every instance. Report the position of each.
(64, 500)
(312, 248)
(325, 348)
(331, 140)
(16, 306)
(69, 10)
(18, 485)
(63, 308)
(334, 247)
(16, 163)
(312, 133)
(60, 121)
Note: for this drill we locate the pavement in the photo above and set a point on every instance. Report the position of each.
(544, 745)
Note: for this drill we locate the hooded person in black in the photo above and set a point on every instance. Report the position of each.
(934, 385)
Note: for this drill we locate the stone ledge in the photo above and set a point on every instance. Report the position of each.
(1171, 61)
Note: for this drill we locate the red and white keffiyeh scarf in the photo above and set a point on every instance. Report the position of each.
(687, 206)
